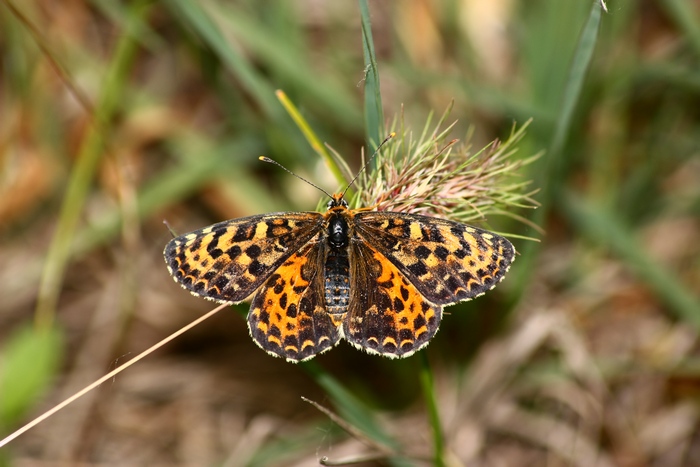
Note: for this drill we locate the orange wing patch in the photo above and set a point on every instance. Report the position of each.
(288, 315)
(387, 315)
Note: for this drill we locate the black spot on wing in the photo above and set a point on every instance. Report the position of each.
(422, 252)
(418, 268)
(441, 252)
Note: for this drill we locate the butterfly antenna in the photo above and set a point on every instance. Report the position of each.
(376, 151)
(172, 231)
(267, 159)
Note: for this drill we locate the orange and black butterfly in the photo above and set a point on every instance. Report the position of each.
(377, 279)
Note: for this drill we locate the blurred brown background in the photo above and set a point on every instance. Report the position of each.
(117, 115)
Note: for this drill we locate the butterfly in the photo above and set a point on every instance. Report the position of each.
(377, 279)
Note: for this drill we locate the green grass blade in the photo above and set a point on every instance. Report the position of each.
(549, 174)
(685, 14)
(119, 14)
(311, 137)
(374, 115)
(259, 88)
(30, 359)
(83, 172)
(574, 85)
(291, 65)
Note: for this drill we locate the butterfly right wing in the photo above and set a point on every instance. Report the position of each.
(387, 315)
(228, 261)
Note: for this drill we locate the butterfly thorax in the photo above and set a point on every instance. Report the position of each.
(338, 232)
(337, 265)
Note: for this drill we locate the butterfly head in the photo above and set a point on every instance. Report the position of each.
(337, 200)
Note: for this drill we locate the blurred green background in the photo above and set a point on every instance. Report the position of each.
(117, 115)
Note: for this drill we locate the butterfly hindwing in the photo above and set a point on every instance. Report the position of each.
(288, 316)
(228, 261)
(446, 261)
(387, 314)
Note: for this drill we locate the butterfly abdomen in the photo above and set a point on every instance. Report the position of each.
(337, 268)
(337, 282)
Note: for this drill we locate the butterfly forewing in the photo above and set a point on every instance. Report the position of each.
(228, 261)
(446, 261)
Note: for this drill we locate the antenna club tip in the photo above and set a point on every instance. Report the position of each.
(392, 134)
(264, 159)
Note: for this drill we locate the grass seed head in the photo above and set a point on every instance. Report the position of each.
(441, 177)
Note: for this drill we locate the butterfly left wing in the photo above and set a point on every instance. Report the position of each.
(447, 261)
(228, 261)
(288, 315)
